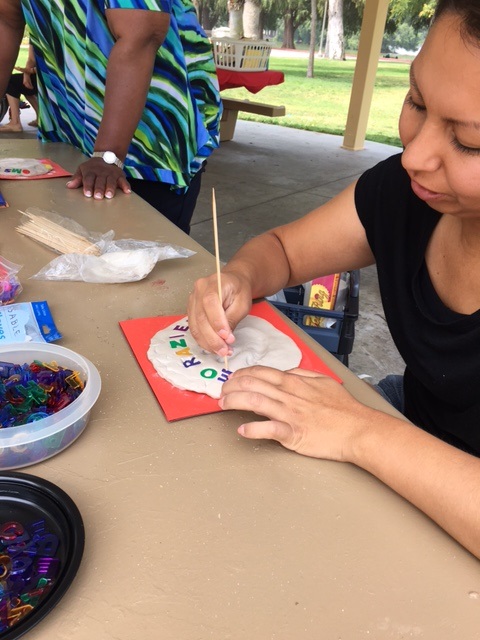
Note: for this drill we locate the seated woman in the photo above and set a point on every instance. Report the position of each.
(417, 216)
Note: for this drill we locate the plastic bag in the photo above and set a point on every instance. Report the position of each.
(27, 322)
(118, 261)
(10, 286)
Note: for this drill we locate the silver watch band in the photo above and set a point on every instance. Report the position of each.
(109, 157)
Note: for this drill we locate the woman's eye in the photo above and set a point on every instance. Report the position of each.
(458, 146)
(472, 151)
(413, 105)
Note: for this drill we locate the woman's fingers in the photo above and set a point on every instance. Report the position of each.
(212, 320)
(306, 412)
(268, 430)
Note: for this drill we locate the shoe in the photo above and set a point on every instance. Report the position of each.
(11, 128)
(33, 123)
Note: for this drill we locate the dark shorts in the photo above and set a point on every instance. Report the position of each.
(178, 208)
(391, 388)
(16, 88)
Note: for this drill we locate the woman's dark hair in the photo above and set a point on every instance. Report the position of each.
(469, 13)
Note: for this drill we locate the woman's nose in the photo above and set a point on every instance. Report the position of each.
(423, 150)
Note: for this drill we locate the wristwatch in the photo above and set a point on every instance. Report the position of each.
(109, 157)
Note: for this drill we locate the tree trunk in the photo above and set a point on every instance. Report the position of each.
(235, 18)
(322, 32)
(334, 49)
(313, 38)
(206, 21)
(203, 13)
(288, 32)
(252, 22)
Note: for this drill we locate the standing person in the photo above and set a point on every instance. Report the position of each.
(24, 83)
(417, 216)
(130, 83)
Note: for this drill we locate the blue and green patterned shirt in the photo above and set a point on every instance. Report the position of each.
(179, 127)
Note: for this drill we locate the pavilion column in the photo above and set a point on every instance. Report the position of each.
(371, 35)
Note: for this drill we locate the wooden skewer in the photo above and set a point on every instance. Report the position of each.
(217, 253)
(55, 236)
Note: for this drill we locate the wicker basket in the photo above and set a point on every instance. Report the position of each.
(241, 55)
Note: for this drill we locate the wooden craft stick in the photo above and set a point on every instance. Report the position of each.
(217, 253)
(55, 236)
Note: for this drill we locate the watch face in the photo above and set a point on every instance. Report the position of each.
(109, 157)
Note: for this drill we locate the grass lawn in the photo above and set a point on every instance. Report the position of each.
(321, 103)
(22, 56)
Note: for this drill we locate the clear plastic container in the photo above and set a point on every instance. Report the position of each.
(39, 440)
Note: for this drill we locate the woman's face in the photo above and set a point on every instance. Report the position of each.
(440, 122)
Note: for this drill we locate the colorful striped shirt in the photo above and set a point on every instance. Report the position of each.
(179, 127)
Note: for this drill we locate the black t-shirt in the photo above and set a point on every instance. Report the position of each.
(441, 348)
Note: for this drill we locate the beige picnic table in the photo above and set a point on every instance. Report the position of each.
(193, 532)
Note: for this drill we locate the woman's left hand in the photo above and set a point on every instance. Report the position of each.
(314, 415)
(307, 412)
(99, 179)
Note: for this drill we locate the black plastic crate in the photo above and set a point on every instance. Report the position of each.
(337, 339)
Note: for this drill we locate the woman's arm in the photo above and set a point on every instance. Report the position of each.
(436, 477)
(138, 35)
(315, 416)
(328, 240)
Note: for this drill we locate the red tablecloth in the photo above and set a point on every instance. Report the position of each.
(254, 81)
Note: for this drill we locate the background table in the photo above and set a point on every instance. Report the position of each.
(193, 532)
(253, 81)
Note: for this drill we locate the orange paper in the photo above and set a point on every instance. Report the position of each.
(177, 403)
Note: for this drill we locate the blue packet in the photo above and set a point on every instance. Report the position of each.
(27, 322)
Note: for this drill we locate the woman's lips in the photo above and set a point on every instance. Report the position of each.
(425, 194)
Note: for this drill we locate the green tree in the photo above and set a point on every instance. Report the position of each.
(211, 13)
(294, 13)
(418, 13)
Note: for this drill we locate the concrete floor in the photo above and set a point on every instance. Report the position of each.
(269, 175)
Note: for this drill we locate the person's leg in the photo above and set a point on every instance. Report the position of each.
(34, 104)
(3, 107)
(14, 126)
(31, 95)
(13, 93)
(177, 208)
(15, 85)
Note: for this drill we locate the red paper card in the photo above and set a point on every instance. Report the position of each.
(177, 403)
(56, 171)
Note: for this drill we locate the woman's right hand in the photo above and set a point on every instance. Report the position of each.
(212, 324)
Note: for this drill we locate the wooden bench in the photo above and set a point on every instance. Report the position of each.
(231, 107)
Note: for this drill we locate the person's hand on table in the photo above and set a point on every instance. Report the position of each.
(99, 179)
(212, 325)
(307, 412)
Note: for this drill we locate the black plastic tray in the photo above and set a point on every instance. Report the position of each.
(41, 508)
